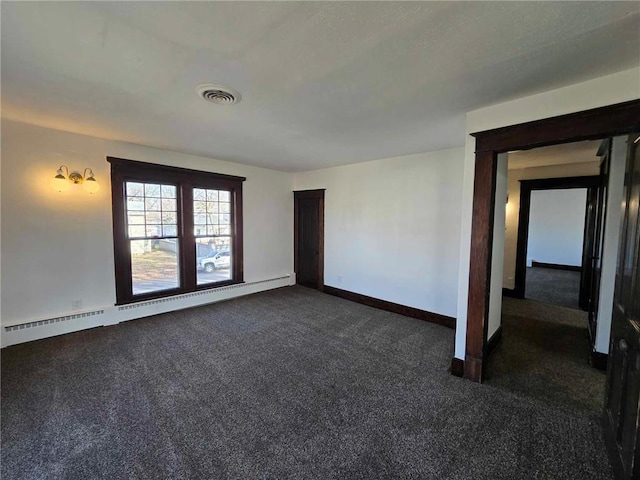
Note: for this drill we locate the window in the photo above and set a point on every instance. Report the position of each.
(175, 230)
(212, 224)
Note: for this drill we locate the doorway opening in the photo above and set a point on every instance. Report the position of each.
(604, 122)
(549, 222)
(553, 231)
(622, 391)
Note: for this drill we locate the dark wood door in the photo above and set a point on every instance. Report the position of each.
(309, 238)
(622, 402)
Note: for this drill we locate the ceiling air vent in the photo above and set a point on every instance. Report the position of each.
(219, 94)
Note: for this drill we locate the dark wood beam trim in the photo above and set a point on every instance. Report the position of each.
(457, 367)
(561, 183)
(484, 190)
(412, 312)
(319, 193)
(591, 124)
(136, 166)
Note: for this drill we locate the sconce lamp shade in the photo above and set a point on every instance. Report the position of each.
(59, 183)
(91, 185)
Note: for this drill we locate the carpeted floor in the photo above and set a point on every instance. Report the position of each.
(544, 354)
(289, 383)
(556, 287)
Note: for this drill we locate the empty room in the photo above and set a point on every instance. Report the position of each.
(248, 240)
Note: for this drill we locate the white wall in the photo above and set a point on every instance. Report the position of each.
(611, 243)
(607, 90)
(58, 247)
(392, 227)
(556, 226)
(500, 207)
(513, 206)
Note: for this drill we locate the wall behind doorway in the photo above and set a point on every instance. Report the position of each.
(513, 205)
(556, 226)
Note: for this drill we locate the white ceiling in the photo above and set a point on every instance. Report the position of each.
(323, 83)
(577, 152)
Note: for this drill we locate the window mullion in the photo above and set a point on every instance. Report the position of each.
(236, 229)
(188, 249)
(122, 257)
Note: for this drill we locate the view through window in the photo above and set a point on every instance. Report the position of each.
(152, 227)
(212, 230)
(175, 230)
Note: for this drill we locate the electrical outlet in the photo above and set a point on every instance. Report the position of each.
(76, 304)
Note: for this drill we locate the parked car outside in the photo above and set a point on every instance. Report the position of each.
(215, 261)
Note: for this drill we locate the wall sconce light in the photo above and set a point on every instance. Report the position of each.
(62, 181)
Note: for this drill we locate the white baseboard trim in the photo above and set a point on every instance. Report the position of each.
(16, 332)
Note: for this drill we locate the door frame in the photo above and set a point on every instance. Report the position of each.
(594, 124)
(621, 394)
(599, 360)
(589, 246)
(526, 187)
(316, 194)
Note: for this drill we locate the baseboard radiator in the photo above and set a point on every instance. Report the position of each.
(25, 331)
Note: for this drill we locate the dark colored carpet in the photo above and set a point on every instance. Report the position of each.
(290, 383)
(544, 354)
(557, 287)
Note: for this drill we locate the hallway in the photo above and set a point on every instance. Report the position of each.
(543, 356)
(556, 287)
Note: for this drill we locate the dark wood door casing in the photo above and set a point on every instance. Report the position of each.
(590, 246)
(526, 187)
(598, 123)
(484, 189)
(622, 401)
(598, 242)
(309, 238)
